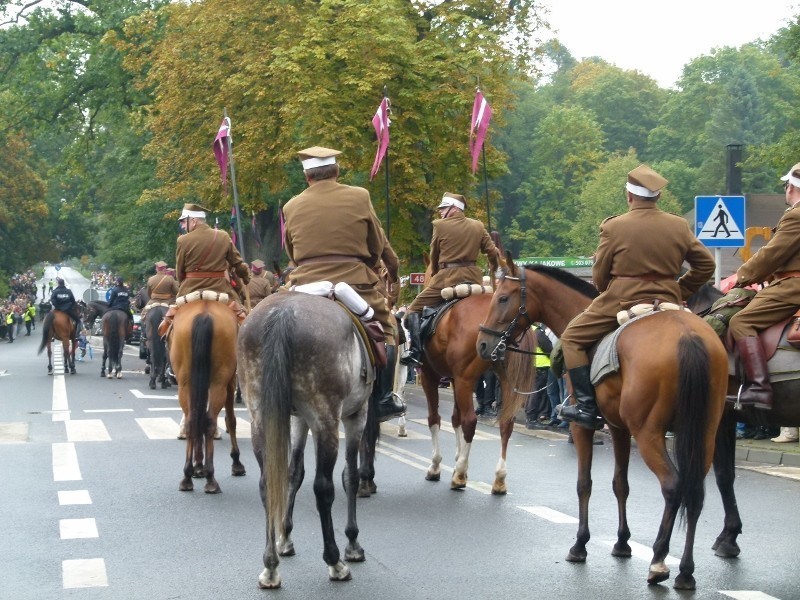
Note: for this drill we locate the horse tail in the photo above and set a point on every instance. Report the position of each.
(520, 377)
(691, 422)
(47, 325)
(199, 376)
(114, 340)
(276, 384)
(157, 348)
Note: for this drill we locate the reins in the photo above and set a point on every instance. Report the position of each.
(507, 340)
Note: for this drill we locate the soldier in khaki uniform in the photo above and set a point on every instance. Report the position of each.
(162, 287)
(258, 287)
(204, 255)
(639, 258)
(333, 234)
(779, 261)
(455, 245)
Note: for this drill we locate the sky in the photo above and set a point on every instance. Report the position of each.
(680, 29)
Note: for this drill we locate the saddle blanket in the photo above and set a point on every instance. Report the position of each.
(202, 295)
(606, 360)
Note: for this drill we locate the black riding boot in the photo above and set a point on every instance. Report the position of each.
(757, 389)
(412, 356)
(584, 413)
(388, 405)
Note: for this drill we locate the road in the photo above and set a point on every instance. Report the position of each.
(91, 510)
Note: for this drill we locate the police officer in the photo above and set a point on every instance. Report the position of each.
(333, 234)
(778, 260)
(204, 255)
(455, 245)
(62, 299)
(259, 287)
(120, 299)
(639, 258)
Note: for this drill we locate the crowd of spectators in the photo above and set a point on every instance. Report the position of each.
(22, 295)
(103, 279)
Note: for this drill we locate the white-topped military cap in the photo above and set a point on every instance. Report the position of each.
(450, 199)
(194, 211)
(318, 156)
(645, 182)
(793, 176)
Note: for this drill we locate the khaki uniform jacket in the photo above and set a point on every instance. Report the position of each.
(332, 219)
(162, 288)
(781, 297)
(455, 239)
(259, 289)
(207, 250)
(645, 241)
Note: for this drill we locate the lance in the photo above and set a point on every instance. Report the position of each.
(235, 191)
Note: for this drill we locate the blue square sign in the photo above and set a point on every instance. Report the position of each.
(720, 221)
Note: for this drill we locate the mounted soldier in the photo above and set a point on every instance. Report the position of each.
(455, 245)
(62, 299)
(259, 287)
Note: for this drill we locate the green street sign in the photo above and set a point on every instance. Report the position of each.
(561, 262)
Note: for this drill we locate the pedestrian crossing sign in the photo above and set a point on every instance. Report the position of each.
(720, 221)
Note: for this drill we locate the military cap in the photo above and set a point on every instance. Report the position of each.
(257, 265)
(317, 156)
(456, 200)
(160, 264)
(194, 211)
(170, 271)
(645, 182)
(793, 176)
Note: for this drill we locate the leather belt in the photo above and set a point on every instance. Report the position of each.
(784, 274)
(204, 275)
(644, 277)
(329, 258)
(461, 263)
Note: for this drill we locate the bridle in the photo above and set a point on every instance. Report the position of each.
(507, 340)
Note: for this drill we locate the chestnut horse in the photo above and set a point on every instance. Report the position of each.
(672, 374)
(58, 325)
(202, 350)
(302, 367)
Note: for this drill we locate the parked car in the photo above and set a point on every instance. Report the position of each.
(136, 335)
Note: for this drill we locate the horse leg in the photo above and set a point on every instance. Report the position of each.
(73, 348)
(237, 468)
(430, 385)
(119, 362)
(725, 473)
(353, 434)
(186, 484)
(327, 448)
(297, 472)
(499, 487)
(656, 458)
(621, 440)
(366, 450)
(49, 358)
(103, 363)
(269, 578)
(464, 412)
(584, 448)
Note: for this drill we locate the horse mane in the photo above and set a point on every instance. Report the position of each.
(568, 279)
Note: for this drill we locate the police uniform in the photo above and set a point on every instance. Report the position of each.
(62, 299)
(204, 255)
(258, 287)
(161, 287)
(639, 259)
(779, 262)
(333, 234)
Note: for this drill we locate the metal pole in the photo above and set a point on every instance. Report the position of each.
(486, 188)
(388, 213)
(235, 191)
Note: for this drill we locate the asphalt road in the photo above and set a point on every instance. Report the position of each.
(91, 510)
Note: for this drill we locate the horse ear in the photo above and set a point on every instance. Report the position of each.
(512, 268)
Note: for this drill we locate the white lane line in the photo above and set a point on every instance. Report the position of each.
(60, 404)
(70, 497)
(165, 409)
(87, 430)
(643, 552)
(161, 428)
(13, 433)
(393, 430)
(747, 595)
(84, 573)
(549, 514)
(480, 436)
(139, 394)
(243, 429)
(76, 529)
(65, 463)
(106, 410)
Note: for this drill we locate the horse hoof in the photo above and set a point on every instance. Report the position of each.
(339, 572)
(576, 555)
(286, 548)
(459, 482)
(621, 550)
(684, 582)
(363, 490)
(72, 371)
(657, 574)
(110, 376)
(152, 385)
(212, 488)
(186, 485)
(102, 374)
(433, 476)
(269, 579)
(354, 553)
(119, 375)
(725, 549)
(238, 470)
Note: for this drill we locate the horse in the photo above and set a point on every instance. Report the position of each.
(672, 375)
(202, 349)
(59, 325)
(156, 346)
(785, 413)
(303, 366)
(115, 329)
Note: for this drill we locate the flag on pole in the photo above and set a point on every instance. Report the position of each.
(381, 124)
(221, 151)
(233, 225)
(481, 115)
(282, 224)
(255, 230)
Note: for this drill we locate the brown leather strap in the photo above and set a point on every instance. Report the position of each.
(327, 258)
(205, 274)
(785, 274)
(644, 277)
(460, 263)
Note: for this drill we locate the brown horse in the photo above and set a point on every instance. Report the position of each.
(115, 329)
(59, 325)
(451, 352)
(202, 349)
(672, 375)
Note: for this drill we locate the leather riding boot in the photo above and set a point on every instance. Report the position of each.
(757, 389)
(584, 413)
(388, 405)
(413, 355)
